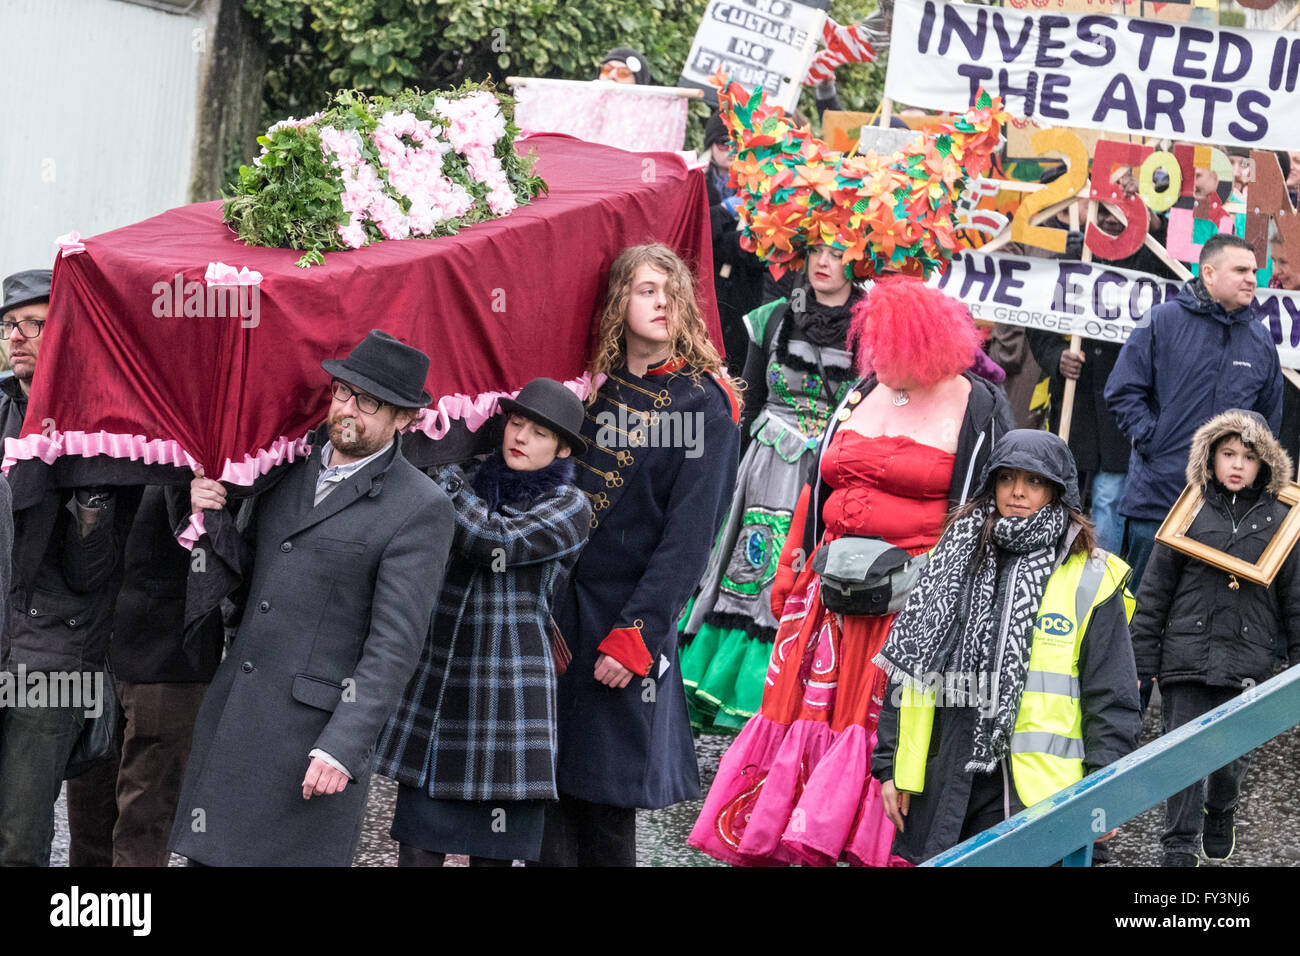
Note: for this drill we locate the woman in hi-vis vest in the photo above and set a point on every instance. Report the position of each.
(1011, 670)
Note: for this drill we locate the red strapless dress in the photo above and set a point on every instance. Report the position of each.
(795, 785)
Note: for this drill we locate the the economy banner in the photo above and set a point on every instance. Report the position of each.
(1088, 299)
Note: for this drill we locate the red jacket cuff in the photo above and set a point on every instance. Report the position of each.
(625, 645)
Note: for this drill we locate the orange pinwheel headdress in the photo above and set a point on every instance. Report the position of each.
(886, 214)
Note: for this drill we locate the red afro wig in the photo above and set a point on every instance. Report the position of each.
(912, 335)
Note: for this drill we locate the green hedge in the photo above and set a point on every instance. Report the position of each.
(382, 46)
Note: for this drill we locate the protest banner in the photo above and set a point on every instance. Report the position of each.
(766, 44)
(1087, 299)
(1182, 80)
(1177, 194)
(1020, 134)
(844, 127)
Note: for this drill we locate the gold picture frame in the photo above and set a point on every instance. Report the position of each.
(1173, 534)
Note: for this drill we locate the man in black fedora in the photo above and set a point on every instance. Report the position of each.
(345, 561)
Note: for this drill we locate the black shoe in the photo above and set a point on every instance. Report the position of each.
(1220, 835)
(1180, 858)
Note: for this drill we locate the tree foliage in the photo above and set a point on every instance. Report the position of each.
(383, 46)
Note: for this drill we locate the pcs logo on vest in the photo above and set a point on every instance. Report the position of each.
(1055, 625)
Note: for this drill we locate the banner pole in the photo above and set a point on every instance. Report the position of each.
(886, 111)
(1076, 341)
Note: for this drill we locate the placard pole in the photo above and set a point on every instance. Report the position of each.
(1076, 341)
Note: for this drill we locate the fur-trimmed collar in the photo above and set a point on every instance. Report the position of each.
(1244, 425)
(498, 484)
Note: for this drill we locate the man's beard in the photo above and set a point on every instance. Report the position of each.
(348, 435)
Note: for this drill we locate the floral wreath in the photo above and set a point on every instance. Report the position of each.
(417, 164)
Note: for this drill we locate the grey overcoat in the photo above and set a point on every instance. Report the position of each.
(334, 615)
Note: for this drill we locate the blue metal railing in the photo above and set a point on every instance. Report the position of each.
(1063, 826)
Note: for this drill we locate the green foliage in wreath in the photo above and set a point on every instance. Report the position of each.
(291, 197)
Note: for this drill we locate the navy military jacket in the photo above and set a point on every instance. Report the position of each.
(659, 472)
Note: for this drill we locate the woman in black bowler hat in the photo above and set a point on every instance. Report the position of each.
(472, 744)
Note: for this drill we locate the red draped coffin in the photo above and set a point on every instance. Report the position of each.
(121, 383)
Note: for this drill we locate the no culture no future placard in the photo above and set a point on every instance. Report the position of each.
(1223, 85)
(758, 43)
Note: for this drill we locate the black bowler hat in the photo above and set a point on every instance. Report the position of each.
(387, 369)
(549, 403)
(24, 288)
(715, 131)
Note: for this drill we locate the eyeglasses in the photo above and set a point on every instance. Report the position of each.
(610, 69)
(30, 328)
(365, 403)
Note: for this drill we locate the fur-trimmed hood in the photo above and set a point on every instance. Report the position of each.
(1254, 434)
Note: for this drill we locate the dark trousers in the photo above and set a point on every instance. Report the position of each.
(1185, 810)
(408, 855)
(34, 746)
(92, 810)
(579, 833)
(120, 813)
(993, 798)
(1139, 540)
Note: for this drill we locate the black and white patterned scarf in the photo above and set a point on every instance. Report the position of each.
(965, 624)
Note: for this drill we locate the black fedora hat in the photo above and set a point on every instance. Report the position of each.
(549, 403)
(24, 288)
(386, 368)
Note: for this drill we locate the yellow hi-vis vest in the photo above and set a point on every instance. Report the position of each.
(1047, 741)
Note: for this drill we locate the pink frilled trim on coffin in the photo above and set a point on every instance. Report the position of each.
(434, 421)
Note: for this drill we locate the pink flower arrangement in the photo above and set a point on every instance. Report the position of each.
(368, 168)
(416, 171)
(474, 125)
(364, 196)
(410, 152)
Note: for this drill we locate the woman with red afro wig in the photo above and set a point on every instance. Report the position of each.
(904, 447)
(907, 332)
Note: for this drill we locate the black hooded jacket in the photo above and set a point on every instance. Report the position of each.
(953, 796)
(1191, 625)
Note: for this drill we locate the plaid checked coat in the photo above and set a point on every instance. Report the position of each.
(478, 720)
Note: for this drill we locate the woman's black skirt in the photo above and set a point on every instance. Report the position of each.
(493, 829)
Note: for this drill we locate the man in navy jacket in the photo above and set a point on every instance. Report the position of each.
(1187, 361)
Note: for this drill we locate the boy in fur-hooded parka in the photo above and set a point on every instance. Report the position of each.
(1207, 635)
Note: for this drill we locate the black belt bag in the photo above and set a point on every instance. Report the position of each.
(866, 575)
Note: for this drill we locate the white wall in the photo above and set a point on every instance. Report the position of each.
(1265, 19)
(97, 116)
